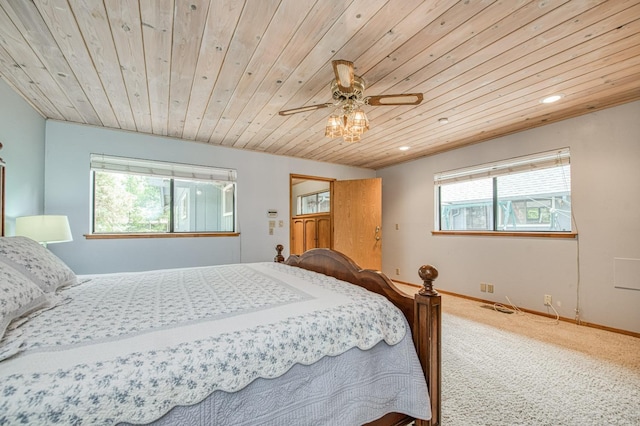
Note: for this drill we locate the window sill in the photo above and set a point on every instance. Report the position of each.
(160, 235)
(508, 234)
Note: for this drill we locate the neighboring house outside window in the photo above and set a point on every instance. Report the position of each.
(144, 196)
(525, 194)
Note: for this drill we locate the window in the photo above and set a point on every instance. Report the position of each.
(142, 196)
(318, 202)
(525, 194)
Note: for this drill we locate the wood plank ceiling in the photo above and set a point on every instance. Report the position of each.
(218, 71)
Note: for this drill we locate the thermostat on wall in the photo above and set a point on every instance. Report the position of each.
(272, 213)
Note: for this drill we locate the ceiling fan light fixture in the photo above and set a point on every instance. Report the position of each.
(347, 90)
(357, 122)
(351, 137)
(334, 126)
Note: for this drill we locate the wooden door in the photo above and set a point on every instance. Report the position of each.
(297, 246)
(323, 229)
(357, 221)
(310, 238)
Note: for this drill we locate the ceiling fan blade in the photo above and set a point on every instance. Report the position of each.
(304, 109)
(403, 99)
(344, 75)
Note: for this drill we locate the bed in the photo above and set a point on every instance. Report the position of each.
(285, 342)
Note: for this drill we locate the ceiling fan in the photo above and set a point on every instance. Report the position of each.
(349, 120)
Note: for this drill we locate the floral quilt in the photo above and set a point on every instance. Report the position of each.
(131, 346)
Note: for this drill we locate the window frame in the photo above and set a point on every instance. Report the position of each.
(548, 159)
(301, 197)
(167, 170)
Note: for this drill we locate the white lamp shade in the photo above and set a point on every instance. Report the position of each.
(44, 229)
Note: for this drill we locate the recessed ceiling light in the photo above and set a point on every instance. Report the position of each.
(403, 148)
(443, 120)
(551, 99)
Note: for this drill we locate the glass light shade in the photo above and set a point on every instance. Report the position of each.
(334, 126)
(351, 137)
(45, 228)
(357, 122)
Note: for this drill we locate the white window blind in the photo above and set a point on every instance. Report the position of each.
(543, 160)
(161, 169)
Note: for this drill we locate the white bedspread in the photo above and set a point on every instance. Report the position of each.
(129, 347)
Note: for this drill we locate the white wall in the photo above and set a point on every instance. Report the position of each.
(605, 176)
(263, 184)
(22, 137)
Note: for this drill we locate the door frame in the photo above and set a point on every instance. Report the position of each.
(293, 177)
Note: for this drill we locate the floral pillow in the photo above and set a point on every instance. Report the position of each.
(18, 296)
(36, 262)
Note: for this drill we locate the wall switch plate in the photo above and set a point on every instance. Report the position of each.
(483, 287)
(490, 288)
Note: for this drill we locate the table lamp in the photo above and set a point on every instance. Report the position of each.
(45, 229)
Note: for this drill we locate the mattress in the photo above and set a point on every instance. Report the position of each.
(264, 343)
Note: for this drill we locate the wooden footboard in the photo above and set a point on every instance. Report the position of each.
(423, 312)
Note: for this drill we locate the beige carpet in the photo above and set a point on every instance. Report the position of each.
(524, 369)
(618, 348)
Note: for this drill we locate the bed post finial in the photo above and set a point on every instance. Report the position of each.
(428, 274)
(428, 325)
(279, 257)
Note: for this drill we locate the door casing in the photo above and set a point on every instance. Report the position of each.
(356, 218)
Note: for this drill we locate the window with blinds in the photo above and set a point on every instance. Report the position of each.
(525, 194)
(133, 195)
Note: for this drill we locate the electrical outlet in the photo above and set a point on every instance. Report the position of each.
(483, 287)
(547, 300)
(397, 271)
(490, 288)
